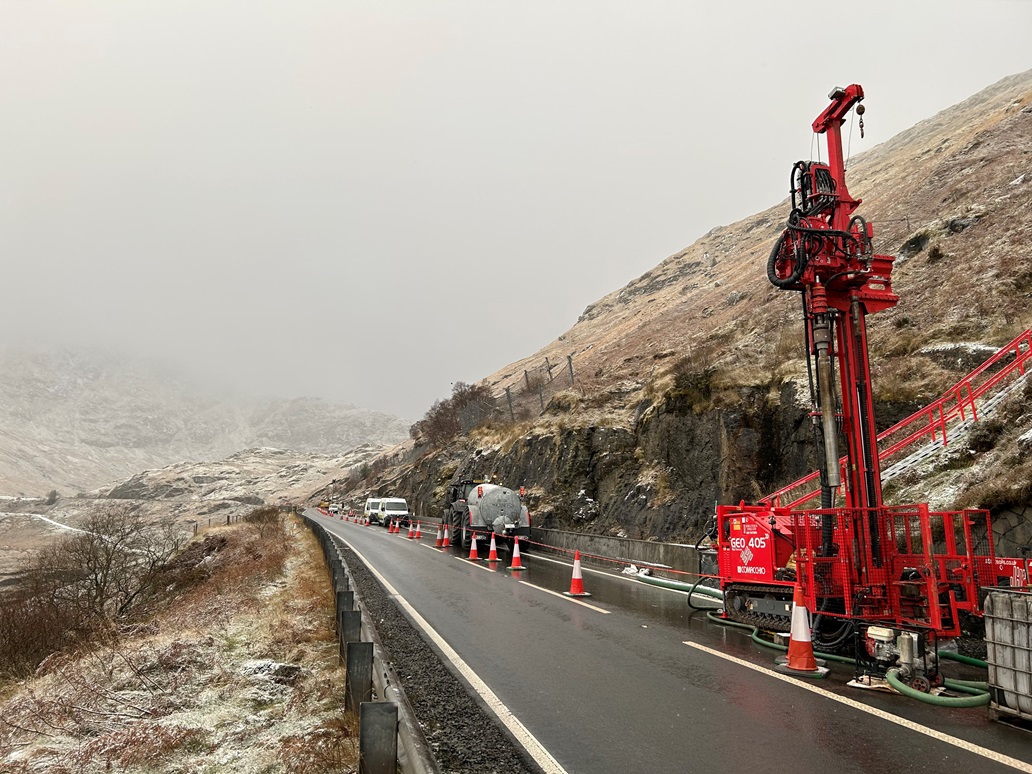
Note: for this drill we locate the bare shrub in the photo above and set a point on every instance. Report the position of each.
(107, 569)
(79, 585)
(268, 521)
(470, 406)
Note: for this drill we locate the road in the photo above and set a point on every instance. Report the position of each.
(631, 679)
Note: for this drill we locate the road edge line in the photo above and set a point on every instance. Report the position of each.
(527, 740)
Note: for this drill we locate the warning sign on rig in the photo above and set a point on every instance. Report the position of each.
(753, 545)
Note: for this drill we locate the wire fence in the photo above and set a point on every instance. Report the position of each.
(525, 399)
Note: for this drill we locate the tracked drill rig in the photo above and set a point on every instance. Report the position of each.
(890, 580)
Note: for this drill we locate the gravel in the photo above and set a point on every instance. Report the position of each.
(463, 735)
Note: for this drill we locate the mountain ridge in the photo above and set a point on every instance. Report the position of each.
(75, 421)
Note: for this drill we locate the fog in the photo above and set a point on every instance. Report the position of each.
(368, 201)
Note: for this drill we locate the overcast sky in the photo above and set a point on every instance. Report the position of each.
(368, 201)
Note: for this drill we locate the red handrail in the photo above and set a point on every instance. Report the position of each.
(950, 405)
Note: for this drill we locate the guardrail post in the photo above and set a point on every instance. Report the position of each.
(358, 674)
(345, 601)
(349, 629)
(378, 737)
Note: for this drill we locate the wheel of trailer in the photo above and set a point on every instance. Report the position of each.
(921, 683)
(467, 538)
(937, 680)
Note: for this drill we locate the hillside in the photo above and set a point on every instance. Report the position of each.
(690, 384)
(77, 421)
(189, 494)
(233, 668)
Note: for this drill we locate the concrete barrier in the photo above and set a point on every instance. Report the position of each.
(676, 556)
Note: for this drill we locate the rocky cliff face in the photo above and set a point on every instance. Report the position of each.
(691, 386)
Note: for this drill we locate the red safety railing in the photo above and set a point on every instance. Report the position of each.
(933, 422)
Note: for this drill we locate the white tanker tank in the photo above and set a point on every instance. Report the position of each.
(484, 508)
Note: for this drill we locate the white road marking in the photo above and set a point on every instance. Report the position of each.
(984, 752)
(563, 596)
(530, 743)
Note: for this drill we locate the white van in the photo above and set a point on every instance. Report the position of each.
(372, 510)
(394, 509)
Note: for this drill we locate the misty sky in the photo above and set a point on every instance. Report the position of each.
(368, 201)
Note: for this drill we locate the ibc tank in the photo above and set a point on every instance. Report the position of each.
(1008, 637)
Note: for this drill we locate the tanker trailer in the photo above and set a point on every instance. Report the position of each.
(476, 506)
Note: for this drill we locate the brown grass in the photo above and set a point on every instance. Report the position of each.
(169, 691)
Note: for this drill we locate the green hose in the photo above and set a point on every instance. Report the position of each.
(776, 646)
(689, 588)
(979, 700)
(979, 691)
(962, 659)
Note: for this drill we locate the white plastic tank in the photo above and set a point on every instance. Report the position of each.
(1008, 638)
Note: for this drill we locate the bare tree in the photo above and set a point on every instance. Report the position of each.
(109, 567)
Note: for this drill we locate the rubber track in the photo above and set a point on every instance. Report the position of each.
(766, 621)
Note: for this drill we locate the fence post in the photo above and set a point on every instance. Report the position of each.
(526, 378)
(548, 367)
(508, 397)
(541, 395)
(377, 737)
(569, 362)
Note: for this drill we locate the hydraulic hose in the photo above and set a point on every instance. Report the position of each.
(772, 264)
(715, 594)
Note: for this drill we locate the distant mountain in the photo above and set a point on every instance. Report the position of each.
(74, 421)
(186, 493)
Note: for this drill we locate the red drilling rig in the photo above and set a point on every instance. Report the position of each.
(891, 580)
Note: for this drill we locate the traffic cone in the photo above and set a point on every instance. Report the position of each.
(446, 541)
(473, 549)
(419, 532)
(439, 541)
(394, 528)
(800, 660)
(411, 531)
(577, 582)
(516, 563)
(492, 554)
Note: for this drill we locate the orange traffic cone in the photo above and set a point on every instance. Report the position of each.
(394, 528)
(516, 563)
(446, 541)
(577, 582)
(473, 549)
(411, 531)
(419, 532)
(492, 555)
(800, 660)
(439, 541)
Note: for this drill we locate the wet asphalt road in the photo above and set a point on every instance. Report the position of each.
(619, 691)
